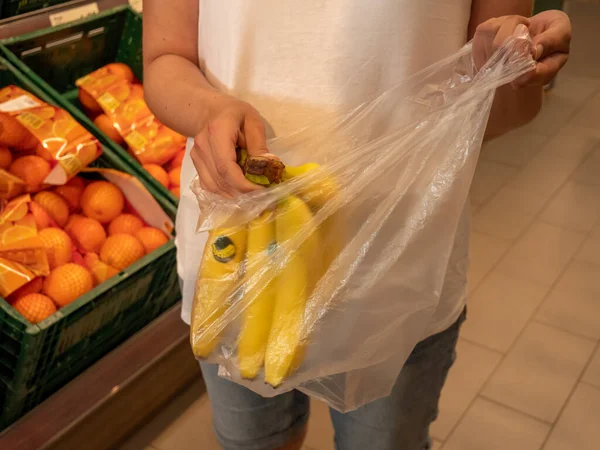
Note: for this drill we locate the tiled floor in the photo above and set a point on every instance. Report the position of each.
(528, 371)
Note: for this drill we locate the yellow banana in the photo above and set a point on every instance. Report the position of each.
(219, 272)
(317, 194)
(292, 287)
(331, 230)
(258, 316)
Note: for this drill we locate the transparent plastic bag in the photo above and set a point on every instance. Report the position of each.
(326, 281)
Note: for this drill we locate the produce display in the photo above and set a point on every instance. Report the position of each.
(57, 244)
(114, 99)
(40, 144)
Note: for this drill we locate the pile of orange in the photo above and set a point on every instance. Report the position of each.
(167, 170)
(90, 234)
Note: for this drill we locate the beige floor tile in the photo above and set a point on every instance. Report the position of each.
(508, 213)
(590, 250)
(577, 89)
(577, 428)
(320, 429)
(589, 116)
(489, 178)
(572, 142)
(539, 372)
(485, 252)
(558, 109)
(191, 430)
(499, 310)
(516, 148)
(589, 170)
(576, 207)
(490, 426)
(169, 415)
(437, 445)
(544, 175)
(472, 368)
(592, 373)
(575, 306)
(541, 254)
(581, 276)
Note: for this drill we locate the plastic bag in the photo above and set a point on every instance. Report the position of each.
(326, 281)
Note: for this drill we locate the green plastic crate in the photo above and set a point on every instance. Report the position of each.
(36, 360)
(54, 58)
(10, 8)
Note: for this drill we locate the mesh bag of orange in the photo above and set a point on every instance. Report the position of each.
(40, 144)
(112, 89)
(22, 253)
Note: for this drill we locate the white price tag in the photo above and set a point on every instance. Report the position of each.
(19, 103)
(136, 5)
(70, 15)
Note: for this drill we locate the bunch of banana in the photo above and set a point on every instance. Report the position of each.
(271, 322)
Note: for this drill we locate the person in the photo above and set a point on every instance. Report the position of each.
(237, 72)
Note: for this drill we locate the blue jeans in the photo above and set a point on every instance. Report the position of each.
(244, 420)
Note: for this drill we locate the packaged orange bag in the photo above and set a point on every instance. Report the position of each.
(40, 144)
(22, 253)
(122, 101)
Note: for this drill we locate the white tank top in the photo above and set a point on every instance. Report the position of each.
(298, 61)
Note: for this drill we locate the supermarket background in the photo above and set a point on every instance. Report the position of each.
(113, 369)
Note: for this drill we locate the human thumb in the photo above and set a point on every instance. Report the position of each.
(255, 138)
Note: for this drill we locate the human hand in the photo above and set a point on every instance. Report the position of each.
(551, 34)
(232, 123)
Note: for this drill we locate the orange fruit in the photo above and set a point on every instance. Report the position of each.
(99, 269)
(71, 194)
(33, 287)
(102, 201)
(176, 191)
(14, 135)
(106, 126)
(137, 91)
(177, 160)
(88, 234)
(32, 169)
(121, 70)
(158, 172)
(43, 152)
(54, 205)
(58, 246)
(41, 217)
(35, 307)
(77, 182)
(175, 176)
(5, 158)
(67, 283)
(125, 224)
(151, 238)
(121, 250)
(89, 103)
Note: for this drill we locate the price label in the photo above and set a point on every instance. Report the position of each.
(30, 119)
(136, 5)
(19, 103)
(136, 140)
(73, 14)
(108, 102)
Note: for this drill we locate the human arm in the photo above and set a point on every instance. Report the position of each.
(180, 96)
(492, 21)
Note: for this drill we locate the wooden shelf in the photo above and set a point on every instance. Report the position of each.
(115, 396)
